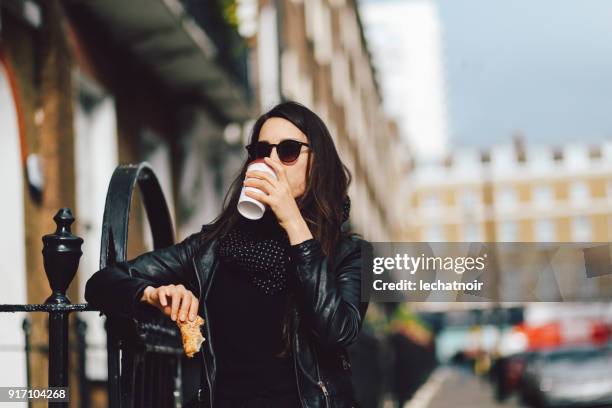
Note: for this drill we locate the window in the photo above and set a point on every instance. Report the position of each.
(579, 193)
(581, 229)
(432, 201)
(96, 157)
(545, 231)
(471, 232)
(434, 233)
(469, 199)
(506, 197)
(12, 248)
(507, 231)
(543, 196)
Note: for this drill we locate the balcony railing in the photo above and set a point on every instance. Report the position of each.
(216, 19)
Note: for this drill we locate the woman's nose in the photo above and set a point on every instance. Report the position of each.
(273, 154)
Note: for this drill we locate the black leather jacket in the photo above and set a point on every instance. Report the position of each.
(327, 317)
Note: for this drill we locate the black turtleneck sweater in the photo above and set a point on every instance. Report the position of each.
(246, 325)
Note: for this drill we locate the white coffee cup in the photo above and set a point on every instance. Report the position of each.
(247, 206)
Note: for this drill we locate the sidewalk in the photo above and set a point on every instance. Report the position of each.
(452, 387)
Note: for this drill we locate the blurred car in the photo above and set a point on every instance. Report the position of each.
(569, 377)
(509, 372)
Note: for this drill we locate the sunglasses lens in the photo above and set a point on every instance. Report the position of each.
(288, 150)
(259, 150)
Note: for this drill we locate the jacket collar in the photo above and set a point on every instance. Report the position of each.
(206, 264)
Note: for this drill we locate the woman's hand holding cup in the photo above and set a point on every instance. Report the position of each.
(175, 301)
(272, 188)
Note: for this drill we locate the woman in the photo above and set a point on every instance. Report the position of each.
(285, 299)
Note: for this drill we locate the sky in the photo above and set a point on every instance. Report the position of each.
(406, 47)
(541, 67)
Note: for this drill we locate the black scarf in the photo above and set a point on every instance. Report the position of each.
(260, 248)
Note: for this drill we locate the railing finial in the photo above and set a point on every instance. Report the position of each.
(61, 255)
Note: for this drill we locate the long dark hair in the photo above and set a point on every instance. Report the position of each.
(327, 179)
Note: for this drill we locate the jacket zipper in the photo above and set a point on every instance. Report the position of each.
(325, 392)
(210, 394)
(320, 381)
(297, 379)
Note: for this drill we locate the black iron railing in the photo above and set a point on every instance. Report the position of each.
(144, 351)
(148, 346)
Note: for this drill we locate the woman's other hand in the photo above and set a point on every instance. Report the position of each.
(173, 300)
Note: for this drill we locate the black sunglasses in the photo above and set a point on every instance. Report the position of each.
(288, 150)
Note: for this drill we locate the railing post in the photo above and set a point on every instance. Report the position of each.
(27, 333)
(61, 255)
(81, 330)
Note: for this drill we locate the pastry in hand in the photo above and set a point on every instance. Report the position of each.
(192, 337)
